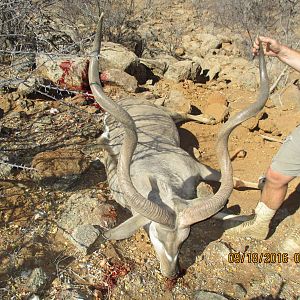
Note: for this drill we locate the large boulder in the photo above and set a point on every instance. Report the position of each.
(64, 71)
(240, 72)
(210, 67)
(120, 78)
(200, 44)
(157, 66)
(115, 56)
(208, 42)
(71, 72)
(179, 71)
(231, 70)
(184, 70)
(60, 163)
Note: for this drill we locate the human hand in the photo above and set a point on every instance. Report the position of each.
(271, 46)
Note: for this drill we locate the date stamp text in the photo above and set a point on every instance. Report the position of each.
(267, 257)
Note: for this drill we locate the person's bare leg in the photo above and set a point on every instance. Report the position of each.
(273, 195)
(275, 189)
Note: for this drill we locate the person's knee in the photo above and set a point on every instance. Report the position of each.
(277, 178)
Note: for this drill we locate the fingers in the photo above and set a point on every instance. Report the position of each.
(271, 46)
(255, 48)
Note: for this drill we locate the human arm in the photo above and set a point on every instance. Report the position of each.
(273, 48)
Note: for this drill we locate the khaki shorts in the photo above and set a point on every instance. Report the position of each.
(287, 159)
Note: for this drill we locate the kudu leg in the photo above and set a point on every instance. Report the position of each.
(181, 117)
(127, 228)
(205, 191)
(210, 174)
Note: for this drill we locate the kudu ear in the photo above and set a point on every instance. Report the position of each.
(162, 190)
(127, 228)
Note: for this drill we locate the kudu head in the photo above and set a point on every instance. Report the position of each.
(170, 219)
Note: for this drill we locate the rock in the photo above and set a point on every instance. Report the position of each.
(179, 51)
(251, 123)
(37, 280)
(5, 104)
(28, 86)
(59, 163)
(239, 132)
(204, 190)
(34, 297)
(240, 72)
(120, 78)
(201, 295)
(228, 69)
(179, 71)
(5, 169)
(209, 69)
(216, 110)
(217, 97)
(214, 250)
(239, 291)
(73, 294)
(228, 48)
(115, 56)
(176, 101)
(208, 42)
(80, 210)
(289, 99)
(197, 74)
(158, 66)
(269, 126)
(71, 72)
(201, 44)
(65, 71)
(83, 236)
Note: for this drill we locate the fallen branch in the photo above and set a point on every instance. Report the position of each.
(269, 138)
(274, 85)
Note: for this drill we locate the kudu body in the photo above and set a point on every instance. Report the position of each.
(151, 175)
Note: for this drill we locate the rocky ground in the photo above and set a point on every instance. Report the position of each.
(54, 196)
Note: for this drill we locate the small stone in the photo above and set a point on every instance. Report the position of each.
(83, 209)
(5, 104)
(84, 236)
(201, 295)
(37, 280)
(27, 86)
(34, 297)
(5, 169)
(180, 51)
(239, 291)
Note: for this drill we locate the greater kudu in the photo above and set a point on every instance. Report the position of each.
(151, 175)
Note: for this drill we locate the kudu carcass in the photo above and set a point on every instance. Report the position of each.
(151, 175)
